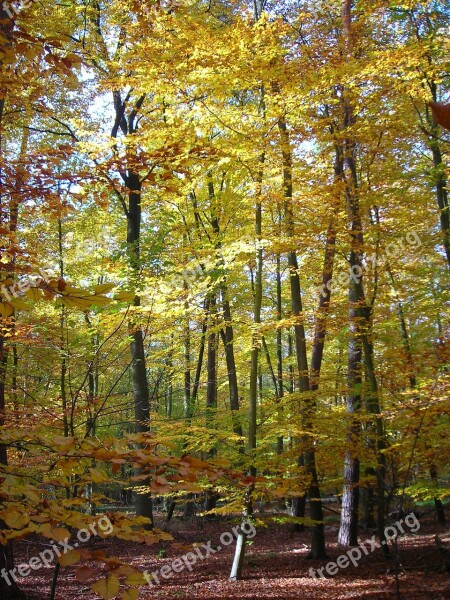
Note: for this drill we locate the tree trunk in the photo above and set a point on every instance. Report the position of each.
(440, 513)
(211, 387)
(441, 183)
(439, 507)
(211, 384)
(307, 401)
(7, 592)
(127, 124)
(236, 571)
(348, 530)
(238, 560)
(227, 335)
(279, 345)
(141, 395)
(257, 303)
(360, 323)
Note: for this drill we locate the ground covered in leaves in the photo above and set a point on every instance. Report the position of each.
(276, 566)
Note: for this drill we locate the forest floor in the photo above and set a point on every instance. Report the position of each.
(276, 566)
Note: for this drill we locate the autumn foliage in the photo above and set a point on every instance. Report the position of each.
(224, 257)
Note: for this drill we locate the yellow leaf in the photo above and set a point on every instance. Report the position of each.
(70, 558)
(57, 533)
(34, 294)
(107, 588)
(125, 570)
(20, 304)
(63, 443)
(97, 476)
(125, 296)
(100, 300)
(136, 579)
(73, 291)
(104, 288)
(6, 309)
(130, 594)
(83, 303)
(15, 519)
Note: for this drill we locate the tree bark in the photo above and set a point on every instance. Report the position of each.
(141, 395)
(307, 401)
(227, 335)
(133, 211)
(279, 345)
(348, 530)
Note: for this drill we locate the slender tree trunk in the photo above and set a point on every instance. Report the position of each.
(360, 323)
(131, 204)
(236, 570)
(279, 346)
(7, 592)
(441, 183)
(92, 395)
(201, 353)
(307, 403)
(141, 395)
(439, 507)
(189, 507)
(227, 335)
(348, 530)
(188, 408)
(298, 506)
(211, 386)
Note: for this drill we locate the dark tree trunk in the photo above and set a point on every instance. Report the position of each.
(211, 387)
(308, 406)
(441, 183)
(143, 502)
(141, 395)
(131, 204)
(348, 531)
(279, 345)
(228, 344)
(439, 507)
(211, 384)
(189, 507)
(440, 512)
(298, 509)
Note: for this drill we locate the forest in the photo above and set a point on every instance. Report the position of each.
(224, 299)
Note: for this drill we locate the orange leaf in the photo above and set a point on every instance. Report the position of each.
(441, 113)
(85, 573)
